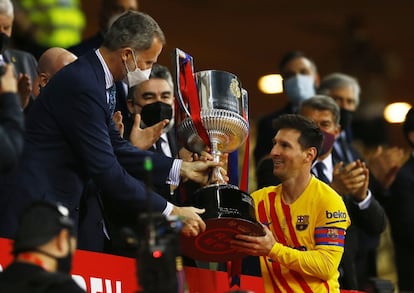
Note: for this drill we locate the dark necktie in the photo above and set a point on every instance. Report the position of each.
(112, 99)
(158, 146)
(320, 167)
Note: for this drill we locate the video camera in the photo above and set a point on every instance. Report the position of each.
(158, 252)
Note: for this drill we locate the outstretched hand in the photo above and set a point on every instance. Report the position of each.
(201, 171)
(145, 138)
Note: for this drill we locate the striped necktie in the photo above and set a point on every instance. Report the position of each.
(112, 99)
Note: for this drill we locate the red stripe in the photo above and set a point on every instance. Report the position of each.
(288, 216)
(189, 91)
(244, 180)
(272, 279)
(327, 239)
(261, 211)
(279, 276)
(326, 286)
(275, 220)
(281, 239)
(302, 283)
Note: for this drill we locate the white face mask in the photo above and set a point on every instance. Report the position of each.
(137, 76)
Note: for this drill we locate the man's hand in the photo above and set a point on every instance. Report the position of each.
(8, 82)
(200, 171)
(254, 245)
(193, 224)
(385, 163)
(117, 117)
(352, 179)
(145, 138)
(25, 89)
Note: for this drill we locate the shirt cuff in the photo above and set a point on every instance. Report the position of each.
(363, 205)
(168, 209)
(174, 176)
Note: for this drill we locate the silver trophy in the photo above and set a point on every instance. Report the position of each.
(221, 110)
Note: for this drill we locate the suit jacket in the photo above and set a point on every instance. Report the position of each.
(399, 208)
(71, 139)
(24, 63)
(94, 43)
(11, 131)
(361, 237)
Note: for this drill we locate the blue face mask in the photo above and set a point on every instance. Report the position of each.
(299, 88)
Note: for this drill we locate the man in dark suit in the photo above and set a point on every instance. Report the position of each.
(71, 137)
(24, 62)
(110, 10)
(351, 182)
(399, 208)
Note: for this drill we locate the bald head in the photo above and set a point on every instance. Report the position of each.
(51, 61)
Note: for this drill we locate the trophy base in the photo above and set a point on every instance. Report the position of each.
(213, 245)
(229, 211)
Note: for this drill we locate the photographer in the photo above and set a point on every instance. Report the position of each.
(11, 120)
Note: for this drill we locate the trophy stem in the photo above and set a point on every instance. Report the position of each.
(217, 177)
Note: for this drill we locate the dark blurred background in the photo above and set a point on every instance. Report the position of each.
(371, 40)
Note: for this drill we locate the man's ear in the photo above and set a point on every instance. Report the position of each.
(43, 79)
(125, 52)
(62, 241)
(311, 154)
(130, 105)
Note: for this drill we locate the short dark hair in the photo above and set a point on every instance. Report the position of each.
(408, 125)
(133, 29)
(322, 103)
(161, 72)
(310, 133)
(291, 55)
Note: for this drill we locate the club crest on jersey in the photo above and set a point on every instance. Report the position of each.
(332, 234)
(302, 222)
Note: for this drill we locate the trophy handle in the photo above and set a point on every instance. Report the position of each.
(177, 55)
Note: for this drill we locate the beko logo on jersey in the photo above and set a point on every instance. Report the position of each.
(335, 215)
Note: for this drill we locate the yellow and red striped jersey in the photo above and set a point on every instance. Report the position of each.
(310, 234)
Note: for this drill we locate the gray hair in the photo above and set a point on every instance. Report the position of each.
(133, 29)
(339, 80)
(6, 8)
(322, 103)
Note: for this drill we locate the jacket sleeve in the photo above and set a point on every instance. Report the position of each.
(11, 131)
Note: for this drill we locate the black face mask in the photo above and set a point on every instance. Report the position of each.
(64, 264)
(156, 112)
(4, 42)
(346, 118)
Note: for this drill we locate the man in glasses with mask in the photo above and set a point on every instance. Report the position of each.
(153, 101)
(71, 137)
(43, 251)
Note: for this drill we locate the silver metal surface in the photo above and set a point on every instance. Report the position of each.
(223, 113)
